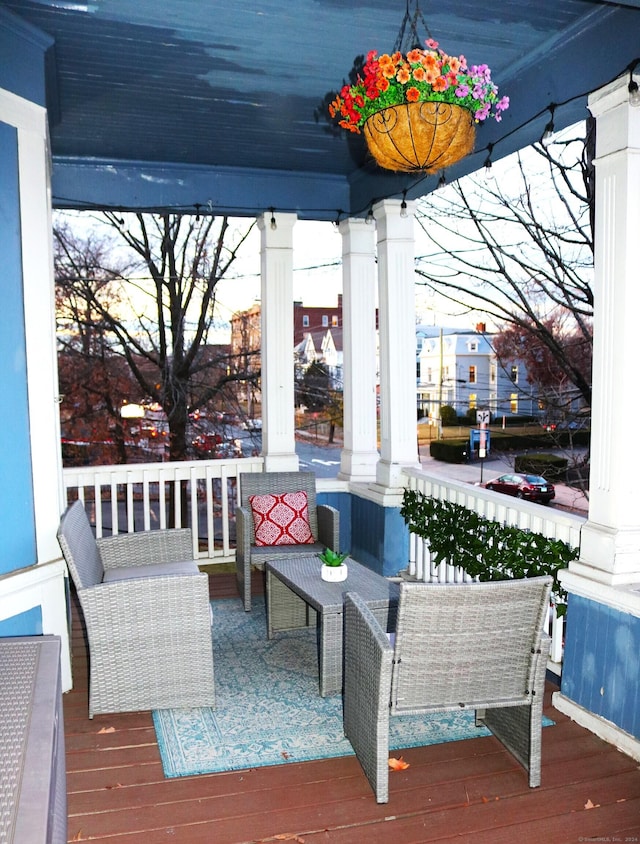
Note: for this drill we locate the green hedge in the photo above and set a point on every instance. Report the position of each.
(449, 451)
(454, 450)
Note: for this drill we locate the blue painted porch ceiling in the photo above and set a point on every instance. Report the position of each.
(233, 86)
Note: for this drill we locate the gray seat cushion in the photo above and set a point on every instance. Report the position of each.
(151, 570)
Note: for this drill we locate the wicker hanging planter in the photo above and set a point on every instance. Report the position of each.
(417, 108)
(421, 136)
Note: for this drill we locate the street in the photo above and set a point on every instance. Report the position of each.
(325, 462)
(317, 456)
(481, 471)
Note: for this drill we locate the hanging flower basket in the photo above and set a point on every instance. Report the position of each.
(418, 110)
(419, 136)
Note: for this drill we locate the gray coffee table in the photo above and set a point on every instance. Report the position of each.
(298, 597)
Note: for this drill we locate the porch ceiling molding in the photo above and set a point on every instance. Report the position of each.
(217, 110)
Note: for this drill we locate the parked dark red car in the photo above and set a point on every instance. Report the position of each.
(531, 487)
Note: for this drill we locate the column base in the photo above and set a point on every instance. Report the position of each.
(392, 476)
(281, 463)
(358, 466)
(610, 555)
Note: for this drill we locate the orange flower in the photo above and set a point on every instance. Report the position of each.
(383, 84)
(430, 61)
(388, 70)
(403, 75)
(414, 56)
(454, 64)
(419, 74)
(431, 74)
(396, 58)
(440, 84)
(413, 95)
(335, 106)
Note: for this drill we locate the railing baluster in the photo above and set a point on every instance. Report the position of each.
(224, 507)
(146, 502)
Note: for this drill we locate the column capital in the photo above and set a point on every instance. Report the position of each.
(358, 236)
(392, 220)
(618, 120)
(280, 236)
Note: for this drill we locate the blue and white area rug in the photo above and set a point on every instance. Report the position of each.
(268, 707)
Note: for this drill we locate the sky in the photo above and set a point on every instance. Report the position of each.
(317, 276)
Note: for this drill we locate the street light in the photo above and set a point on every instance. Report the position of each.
(132, 411)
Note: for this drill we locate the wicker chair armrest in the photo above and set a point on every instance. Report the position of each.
(146, 547)
(329, 526)
(541, 666)
(244, 533)
(368, 657)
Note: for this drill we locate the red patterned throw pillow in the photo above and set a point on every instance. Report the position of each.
(281, 519)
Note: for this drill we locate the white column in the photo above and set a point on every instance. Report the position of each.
(43, 584)
(40, 335)
(610, 547)
(397, 323)
(276, 267)
(360, 453)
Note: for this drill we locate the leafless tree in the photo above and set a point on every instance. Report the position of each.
(519, 249)
(152, 289)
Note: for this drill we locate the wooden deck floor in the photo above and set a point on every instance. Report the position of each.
(470, 791)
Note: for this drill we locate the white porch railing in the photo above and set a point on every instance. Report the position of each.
(146, 496)
(549, 522)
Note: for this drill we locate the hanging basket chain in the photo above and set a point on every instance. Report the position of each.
(407, 40)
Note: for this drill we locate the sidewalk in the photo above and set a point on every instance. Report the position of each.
(481, 471)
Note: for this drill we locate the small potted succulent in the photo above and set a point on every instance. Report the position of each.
(333, 569)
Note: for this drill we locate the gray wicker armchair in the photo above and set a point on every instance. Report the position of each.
(473, 645)
(147, 614)
(323, 520)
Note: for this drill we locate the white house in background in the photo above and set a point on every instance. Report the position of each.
(332, 355)
(461, 369)
(323, 347)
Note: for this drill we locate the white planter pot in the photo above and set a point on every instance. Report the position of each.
(334, 574)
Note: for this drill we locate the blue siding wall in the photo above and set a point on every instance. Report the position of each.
(17, 523)
(601, 668)
(27, 623)
(379, 537)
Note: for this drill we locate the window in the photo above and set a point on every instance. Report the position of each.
(493, 373)
(473, 345)
(473, 401)
(514, 373)
(429, 375)
(334, 320)
(305, 320)
(472, 375)
(514, 402)
(325, 321)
